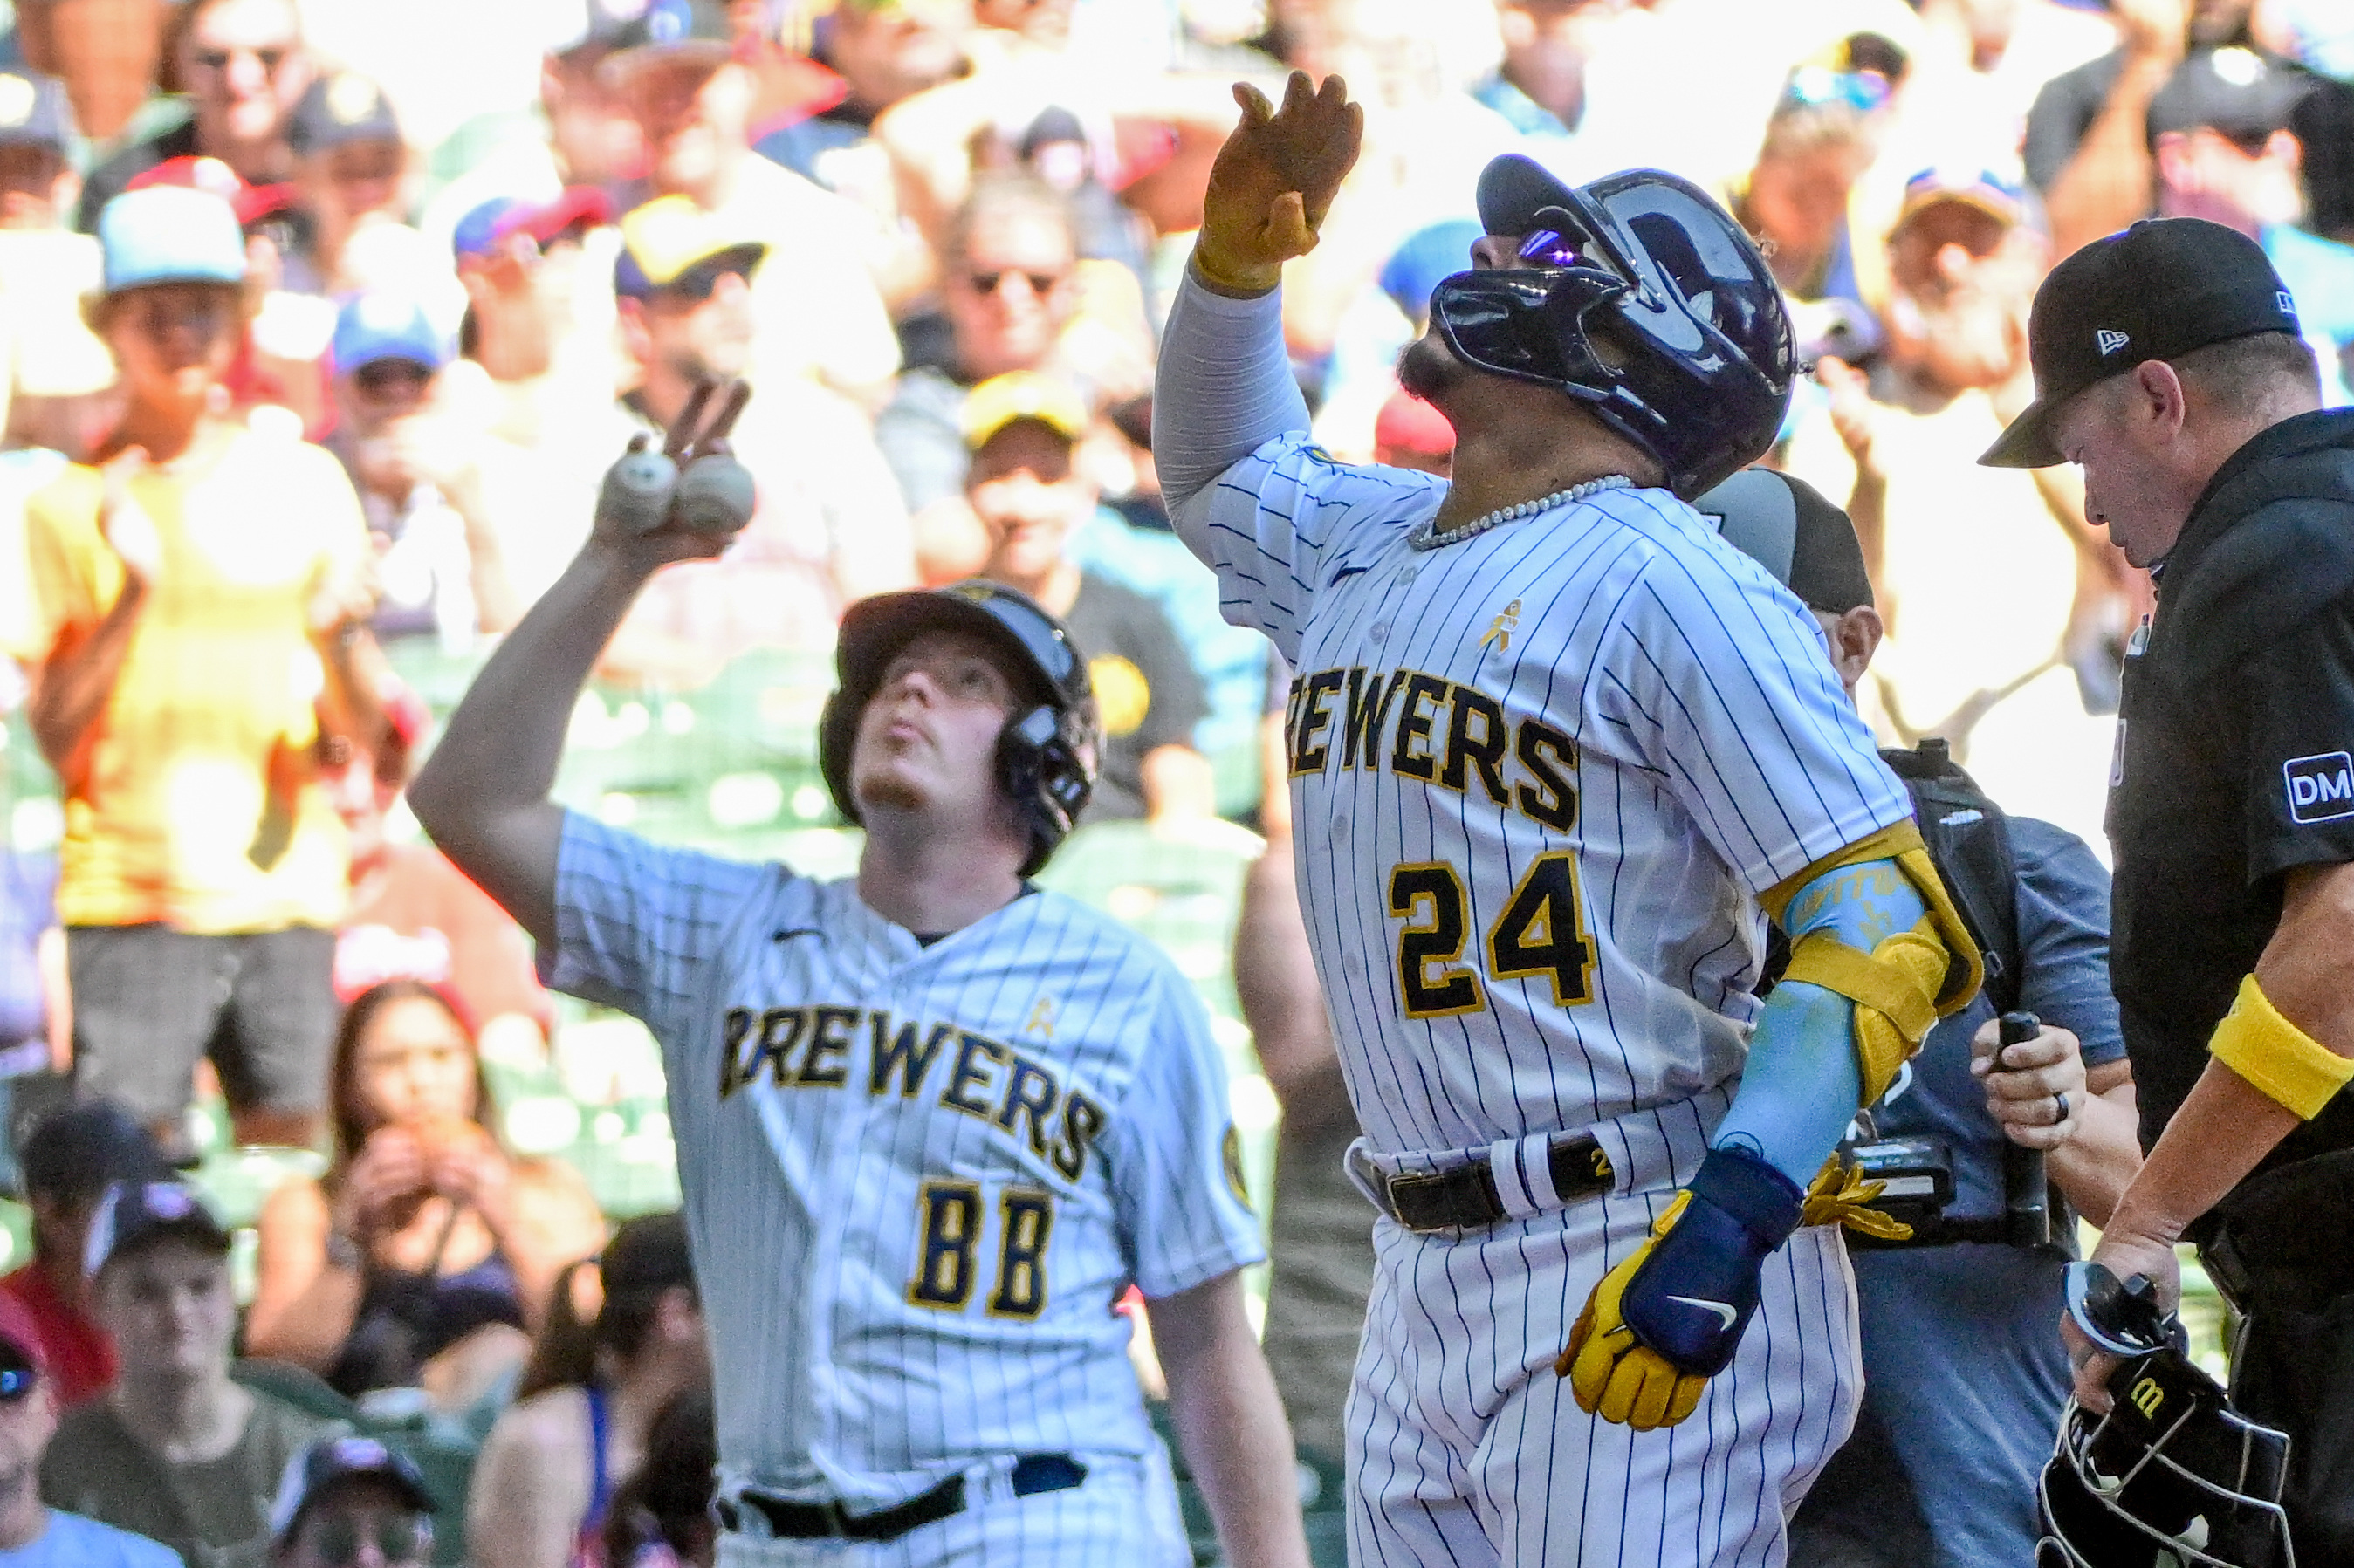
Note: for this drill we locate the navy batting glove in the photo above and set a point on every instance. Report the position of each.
(1695, 1292)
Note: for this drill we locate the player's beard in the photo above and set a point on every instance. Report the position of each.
(1428, 369)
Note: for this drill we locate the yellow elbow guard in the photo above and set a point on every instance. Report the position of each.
(2284, 1064)
(1906, 983)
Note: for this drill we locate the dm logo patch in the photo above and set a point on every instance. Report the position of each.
(2320, 789)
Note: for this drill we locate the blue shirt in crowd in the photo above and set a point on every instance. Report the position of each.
(1964, 1372)
(73, 1541)
(2320, 278)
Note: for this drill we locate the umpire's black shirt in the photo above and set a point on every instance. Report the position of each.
(2235, 753)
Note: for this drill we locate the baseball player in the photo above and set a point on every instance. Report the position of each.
(1553, 746)
(932, 1121)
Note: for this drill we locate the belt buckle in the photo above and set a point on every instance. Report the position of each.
(1413, 1182)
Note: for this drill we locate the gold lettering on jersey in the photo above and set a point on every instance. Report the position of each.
(1309, 753)
(1411, 755)
(1501, 631)
(815, 1047)
(1082, 1120)
(828, 1042)
(971, 1074)
(1030, 1094)
(1369, 708)
(1041, 1019)
(1466, 750)
(1447, 734)
(899, 1053)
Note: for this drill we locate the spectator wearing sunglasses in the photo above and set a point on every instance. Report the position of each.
(33, 1534)
(829, 528)
(418, 473)
(820, 312)
(1009, 291)
(1984, 638)
(1820, 140)
(351, 1502)
(241, 66)
(2226, 149)
(179, 1450)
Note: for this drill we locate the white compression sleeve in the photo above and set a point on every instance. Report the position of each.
(1224, 387)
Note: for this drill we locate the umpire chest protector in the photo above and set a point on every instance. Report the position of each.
(2235, 752)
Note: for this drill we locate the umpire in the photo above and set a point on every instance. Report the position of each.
(2167, 365)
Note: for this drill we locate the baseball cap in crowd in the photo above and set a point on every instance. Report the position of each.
(2157, 290)
(35, 112)
(169, 234)
(81, 1147)
(250, 203)
(338, 109)
(1019, 395)
(2233, 91)
(23, 1360)
(1981, 188)
(672, 245)
(1423, 258)
(379, 325)
(670, 29)
(132, 1214)
(1786, 525)
(329, 1462)
(478, 233)
(1407, 424)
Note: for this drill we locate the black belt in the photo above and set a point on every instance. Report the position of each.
(1464, 1197)
(789, 1520)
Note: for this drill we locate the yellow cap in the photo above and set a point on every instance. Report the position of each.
(667, 237)
(1023, 395)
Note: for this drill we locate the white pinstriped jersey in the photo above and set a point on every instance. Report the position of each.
(1539, 776)
(916, 1178)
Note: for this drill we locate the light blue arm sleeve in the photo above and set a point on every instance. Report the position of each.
(1799, 1088)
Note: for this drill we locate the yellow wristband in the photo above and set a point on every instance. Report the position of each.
(2283, 1062)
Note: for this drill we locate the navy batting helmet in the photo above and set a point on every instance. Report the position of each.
(1046, 755)
(1642, 299)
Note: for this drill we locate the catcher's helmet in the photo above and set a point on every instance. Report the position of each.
(1649, 306)
(2171, 1477)
(1046, 755)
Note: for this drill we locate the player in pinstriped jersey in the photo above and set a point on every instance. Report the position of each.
(1557, 751)
(931, 1120)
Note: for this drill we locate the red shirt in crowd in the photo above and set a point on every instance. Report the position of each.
(80, 1356)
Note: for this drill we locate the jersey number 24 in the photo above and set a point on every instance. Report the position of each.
(1541, 930)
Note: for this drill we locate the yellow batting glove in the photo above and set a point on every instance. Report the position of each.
(1273, 182)
(1611, 1374)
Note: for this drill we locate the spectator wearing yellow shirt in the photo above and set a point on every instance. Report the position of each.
(200, 596)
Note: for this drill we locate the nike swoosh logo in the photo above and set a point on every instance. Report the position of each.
(1726, 1314)
(786, 934)
(1344, 572)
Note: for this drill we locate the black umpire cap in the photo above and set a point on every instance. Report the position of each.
(1786, 525)
(2157, 290)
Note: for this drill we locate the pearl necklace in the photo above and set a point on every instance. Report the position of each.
(1428, 536)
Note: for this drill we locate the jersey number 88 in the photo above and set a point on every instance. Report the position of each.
(1540, 931)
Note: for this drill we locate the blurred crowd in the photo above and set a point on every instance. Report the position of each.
(321, 323)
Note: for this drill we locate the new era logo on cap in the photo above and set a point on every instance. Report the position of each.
(2287, 305)
(2320, 789)
(2108, 340)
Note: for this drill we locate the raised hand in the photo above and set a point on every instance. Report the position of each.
(1273, 181)
(691, 498)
